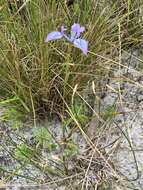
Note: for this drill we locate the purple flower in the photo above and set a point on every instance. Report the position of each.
(76, 30)
(74, 38)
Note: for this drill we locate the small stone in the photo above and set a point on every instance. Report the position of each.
(140, 98)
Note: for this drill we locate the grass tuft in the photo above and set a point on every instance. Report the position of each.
(34, 71)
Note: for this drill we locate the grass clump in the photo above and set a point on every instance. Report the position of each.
(37, 79)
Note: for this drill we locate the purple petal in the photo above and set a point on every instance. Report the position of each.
(75, 27)
(75, 31)
(53, 36)
(82, 29)
(81, 44)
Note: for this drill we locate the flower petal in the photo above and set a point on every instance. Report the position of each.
(75, 27)
(53, 36)
(81, 44)
(75, 31)
(82, 29)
